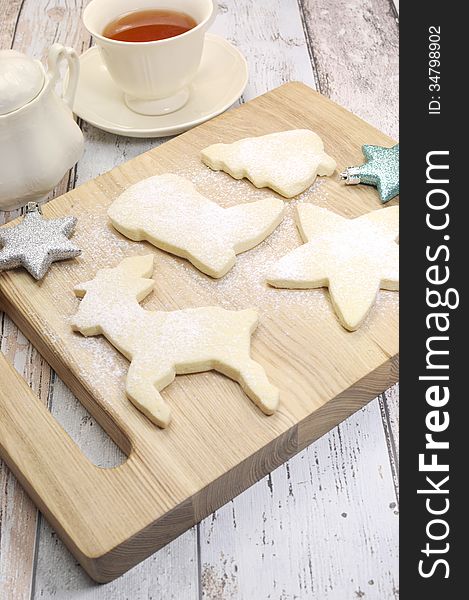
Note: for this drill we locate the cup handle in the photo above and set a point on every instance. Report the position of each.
(58, 53)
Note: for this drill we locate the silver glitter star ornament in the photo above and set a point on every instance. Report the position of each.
(381, 169)
(36, 243)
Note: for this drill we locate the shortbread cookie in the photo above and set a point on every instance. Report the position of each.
(354, 258)
(162, 344)
(287, 162)
(167, 211)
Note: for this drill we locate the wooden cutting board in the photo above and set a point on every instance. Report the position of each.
(218, 443)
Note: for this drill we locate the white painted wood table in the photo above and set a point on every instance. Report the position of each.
(324, 526)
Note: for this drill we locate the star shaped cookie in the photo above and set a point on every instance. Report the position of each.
(354, 258)
(35, 243)
(381, 169)
(288, 162)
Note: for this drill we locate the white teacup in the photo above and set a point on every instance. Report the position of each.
(154, 76)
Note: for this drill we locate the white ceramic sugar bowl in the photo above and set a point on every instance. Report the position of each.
(39, 139)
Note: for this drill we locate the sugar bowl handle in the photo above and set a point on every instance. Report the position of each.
(58, 53)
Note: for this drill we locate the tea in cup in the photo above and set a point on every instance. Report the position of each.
(149, 25)
(154, 74)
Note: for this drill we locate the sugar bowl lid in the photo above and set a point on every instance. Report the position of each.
(21, 80)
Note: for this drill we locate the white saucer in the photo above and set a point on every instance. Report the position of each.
(220, 81)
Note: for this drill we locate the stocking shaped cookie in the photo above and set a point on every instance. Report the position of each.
(287, 162)
(162, 344)
(167, 211)
(354, 258)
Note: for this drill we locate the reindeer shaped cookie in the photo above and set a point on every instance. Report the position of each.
(162, 344)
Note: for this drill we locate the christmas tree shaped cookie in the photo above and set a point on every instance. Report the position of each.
(354, 258)
(167, 211)
(161, 344)
(288, 162)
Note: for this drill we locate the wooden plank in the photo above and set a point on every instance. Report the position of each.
(59, 22)
(270, 36)
(355, 54)
(10, 11)
(173, 571)
(389, 405)
(264, 52)
(18, 515)
(168, 456)
(391, 397)
(102, 152)
(328, 532)
(235, 562)
(387, 31)
(354, 48)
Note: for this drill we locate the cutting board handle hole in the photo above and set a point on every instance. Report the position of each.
(85, 431)
(62, 426)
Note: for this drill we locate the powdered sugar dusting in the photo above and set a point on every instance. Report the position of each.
(226, 191)
(172, 214)
(244, 286)
(161, 343)
(101, 235)
(285, 161)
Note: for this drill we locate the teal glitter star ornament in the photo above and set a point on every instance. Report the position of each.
(381, 169)
(35, 243)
